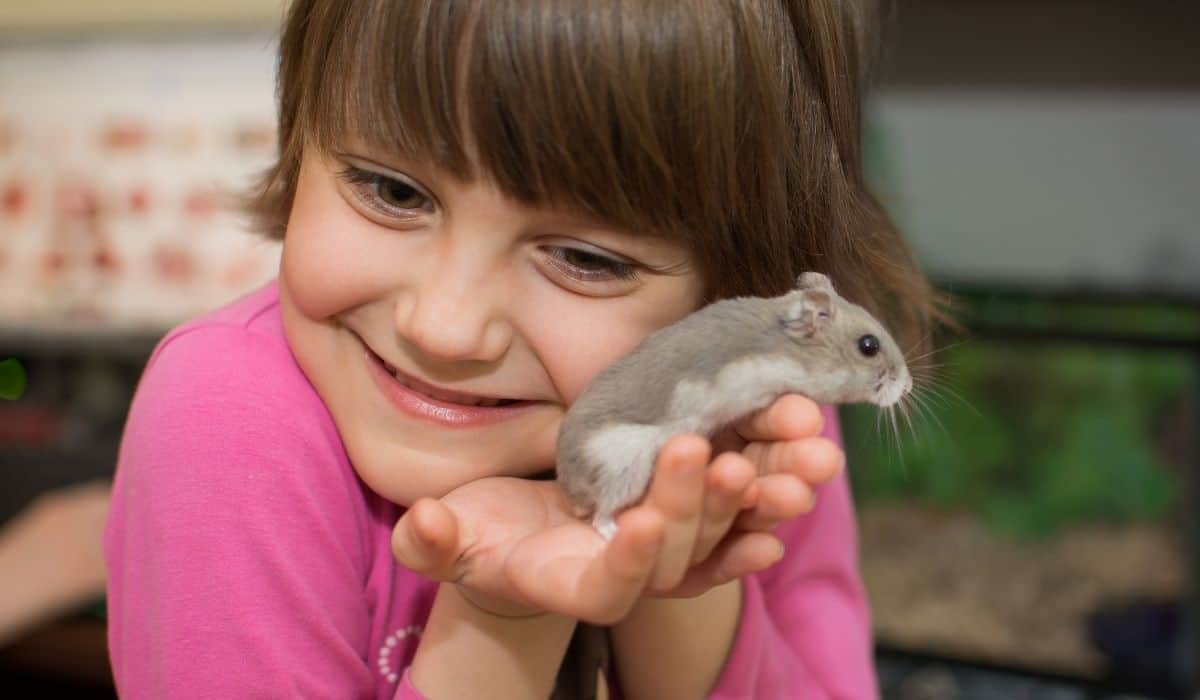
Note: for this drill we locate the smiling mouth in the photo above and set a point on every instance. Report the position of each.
(439, 394)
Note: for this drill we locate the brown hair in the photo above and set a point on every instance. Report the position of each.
(731, 126)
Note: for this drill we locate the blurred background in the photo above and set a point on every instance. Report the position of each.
(1029, 532)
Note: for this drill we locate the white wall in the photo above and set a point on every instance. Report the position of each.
(1059, 188)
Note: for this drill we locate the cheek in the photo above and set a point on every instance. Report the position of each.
(581, 339)
(318, 265)
(574, 357)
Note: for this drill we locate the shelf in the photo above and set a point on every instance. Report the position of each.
(51, 17)
(134, 342)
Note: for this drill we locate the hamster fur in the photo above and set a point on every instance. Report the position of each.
(711, 368)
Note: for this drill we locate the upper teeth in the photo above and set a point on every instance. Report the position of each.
(436, 393)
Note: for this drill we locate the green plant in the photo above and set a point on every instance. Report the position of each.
(12, 379)
(1043, 436)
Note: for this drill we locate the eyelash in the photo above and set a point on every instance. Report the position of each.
(366, 185)
(360, 179)
(616, 269)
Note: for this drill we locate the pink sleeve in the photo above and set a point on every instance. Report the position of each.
(235, 558)
(805, 630)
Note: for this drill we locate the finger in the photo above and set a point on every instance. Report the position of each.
(781, 497)
(677, 492)
(613, 582)
(789, 417)
(813, 460)
(734, 558)
(426, 540)
(728, 478)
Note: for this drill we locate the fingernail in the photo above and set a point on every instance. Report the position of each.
(779, 552)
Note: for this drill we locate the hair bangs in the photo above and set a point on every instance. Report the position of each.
(615, 110)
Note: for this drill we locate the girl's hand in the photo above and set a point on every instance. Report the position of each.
(718, 515)
(514, 549)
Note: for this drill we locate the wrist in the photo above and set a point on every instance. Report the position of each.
(471, 651)
(655, 610)
(677, 647)
(495, 606)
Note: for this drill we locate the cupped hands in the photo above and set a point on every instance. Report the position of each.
(514, 548)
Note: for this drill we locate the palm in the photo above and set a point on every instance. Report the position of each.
(518, 541)
(521, 538)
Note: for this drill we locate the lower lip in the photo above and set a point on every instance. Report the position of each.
(453, 415)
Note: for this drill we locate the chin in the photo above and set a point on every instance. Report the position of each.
(406, 478)
(403, 473)
(411, 490)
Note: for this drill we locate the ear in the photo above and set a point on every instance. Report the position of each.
(814, 280)
(812, 313)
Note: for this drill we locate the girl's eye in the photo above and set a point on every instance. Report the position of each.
(387, 195)
(587, 266)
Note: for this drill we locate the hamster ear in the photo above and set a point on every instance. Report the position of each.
(814, 280)
(812, 313)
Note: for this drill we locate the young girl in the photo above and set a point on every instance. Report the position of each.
(482, 204)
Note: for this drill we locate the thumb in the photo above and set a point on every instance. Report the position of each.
(426, 540)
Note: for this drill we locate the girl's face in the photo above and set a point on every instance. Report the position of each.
(408, 295)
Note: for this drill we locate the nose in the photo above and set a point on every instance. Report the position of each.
(455, 313)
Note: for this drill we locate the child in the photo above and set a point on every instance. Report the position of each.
(482, 204)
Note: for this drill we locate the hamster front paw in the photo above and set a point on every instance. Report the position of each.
(606, 526)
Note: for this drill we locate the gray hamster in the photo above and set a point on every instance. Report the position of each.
(711, 368)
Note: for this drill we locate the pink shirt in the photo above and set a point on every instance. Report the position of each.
(246, 558)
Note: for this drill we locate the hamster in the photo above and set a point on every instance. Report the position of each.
(712, 368)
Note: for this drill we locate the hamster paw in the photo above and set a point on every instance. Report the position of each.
(606, 526)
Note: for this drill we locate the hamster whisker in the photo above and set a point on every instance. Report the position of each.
(944, 390)
(931, 353)
(883, 438)
(928, 368)
(937, 387)
(901, 407)
(916, 344)
(929, 390)
(923, 379)
(891, 411)
(921, 402)
(907, 416)
(926, 365)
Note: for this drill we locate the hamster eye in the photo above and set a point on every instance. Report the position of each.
(868, 345)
